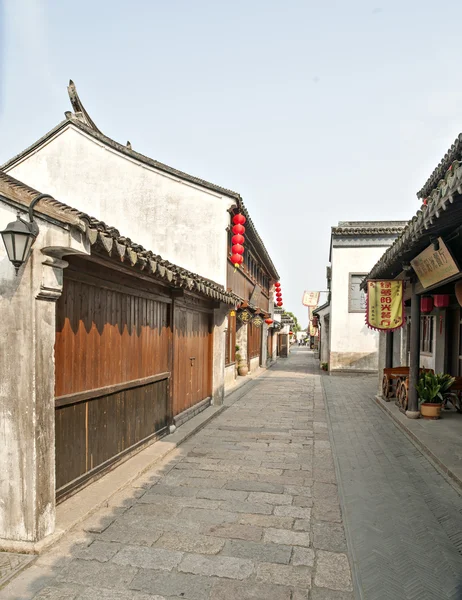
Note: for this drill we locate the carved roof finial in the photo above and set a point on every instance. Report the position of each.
(129, 146)
(79, 108)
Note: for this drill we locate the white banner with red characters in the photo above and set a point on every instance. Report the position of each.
(310, 299)
(385, 305)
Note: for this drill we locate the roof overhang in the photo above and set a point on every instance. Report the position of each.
(441, 215)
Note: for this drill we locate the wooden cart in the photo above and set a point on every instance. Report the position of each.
(402, 390)
(456, 389)
(395, 384)
(391, 379)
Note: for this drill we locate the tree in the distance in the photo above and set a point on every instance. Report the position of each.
(295, 327)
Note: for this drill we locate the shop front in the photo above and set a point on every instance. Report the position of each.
(427, 258)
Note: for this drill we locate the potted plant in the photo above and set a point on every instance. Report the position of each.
(431, 389)
(242, 366)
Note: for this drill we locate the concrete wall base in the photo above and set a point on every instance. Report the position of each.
(254, 364)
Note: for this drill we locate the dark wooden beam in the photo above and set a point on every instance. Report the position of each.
(389, 350)
(414, 360)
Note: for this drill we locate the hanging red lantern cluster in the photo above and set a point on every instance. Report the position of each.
(237, 240)
(277, 287)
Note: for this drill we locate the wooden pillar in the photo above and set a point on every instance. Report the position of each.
(414, 360)
(389, 350)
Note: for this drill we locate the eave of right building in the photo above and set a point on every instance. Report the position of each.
(430, 339)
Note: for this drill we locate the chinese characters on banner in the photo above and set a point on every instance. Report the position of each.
(310, 299)
(385, 305)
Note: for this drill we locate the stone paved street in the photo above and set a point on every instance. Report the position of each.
(246, 509)
(403, 519)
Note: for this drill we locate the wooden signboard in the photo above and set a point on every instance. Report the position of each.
(433, 266)
(255, 297)
(257, 321)
(244, 316)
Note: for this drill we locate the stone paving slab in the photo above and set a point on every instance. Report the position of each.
(245, 509)
(403, 518)
(12, 563)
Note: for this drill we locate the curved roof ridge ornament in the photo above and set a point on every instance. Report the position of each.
(79, 108)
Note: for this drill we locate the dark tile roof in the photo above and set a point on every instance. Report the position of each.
(454, 153)
(107, 238)
(322, 307)
(368, 227)
(81, 119)
(442, 214)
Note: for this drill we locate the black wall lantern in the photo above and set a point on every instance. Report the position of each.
(19, 236)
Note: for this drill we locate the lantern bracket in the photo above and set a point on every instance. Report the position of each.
(32, 223)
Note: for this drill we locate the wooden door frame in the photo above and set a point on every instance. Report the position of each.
(190, 302)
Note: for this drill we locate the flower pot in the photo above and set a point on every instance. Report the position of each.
(243, 369)
(430, 411)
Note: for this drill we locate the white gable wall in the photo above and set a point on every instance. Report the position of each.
(184, 223)
(353, 346)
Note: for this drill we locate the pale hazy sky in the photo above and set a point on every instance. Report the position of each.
(314, 112)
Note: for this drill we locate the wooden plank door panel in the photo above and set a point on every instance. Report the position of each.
(193, 353)
(112, 370)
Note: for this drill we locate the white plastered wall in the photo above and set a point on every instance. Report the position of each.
(183, 222)
(353, 346)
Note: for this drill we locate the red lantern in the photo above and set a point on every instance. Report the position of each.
(268, 321)
(277, 284)
(291, 333)
(237, 259)
(237, 239)
(441, 300)
(279, 303)
(238, 229)
(426, 304)
(239, 219)
(237, 249)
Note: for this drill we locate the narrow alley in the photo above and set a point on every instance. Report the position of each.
(247, 509)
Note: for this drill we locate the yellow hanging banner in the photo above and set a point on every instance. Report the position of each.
(385, 305)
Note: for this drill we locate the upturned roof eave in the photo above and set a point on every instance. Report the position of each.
(442, 214)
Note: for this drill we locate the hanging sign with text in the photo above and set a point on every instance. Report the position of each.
(244, 316)
(310, 299)
(433, 266)
(257, 321)
(385, 305)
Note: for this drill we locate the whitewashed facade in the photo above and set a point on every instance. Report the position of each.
(355, 248)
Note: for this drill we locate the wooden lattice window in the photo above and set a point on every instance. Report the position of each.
(426, 334)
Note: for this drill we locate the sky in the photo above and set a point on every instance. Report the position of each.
(315, 112)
